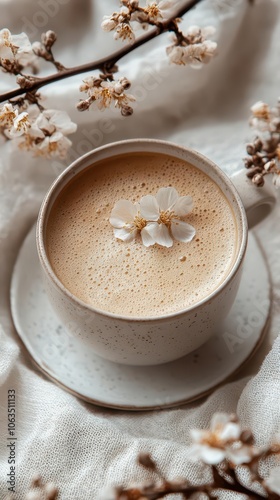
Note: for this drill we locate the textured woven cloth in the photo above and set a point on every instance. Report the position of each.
(78, 446)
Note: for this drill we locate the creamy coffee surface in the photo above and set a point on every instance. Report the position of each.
(130, 279)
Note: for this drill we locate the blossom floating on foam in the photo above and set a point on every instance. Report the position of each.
(157, 218)
(126, 220)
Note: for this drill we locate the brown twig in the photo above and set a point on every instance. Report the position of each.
(106, 63)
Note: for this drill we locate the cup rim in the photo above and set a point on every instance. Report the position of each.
(52, 192)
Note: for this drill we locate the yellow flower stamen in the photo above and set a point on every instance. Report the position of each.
(139, 222)
(166, 217)
(153, 11)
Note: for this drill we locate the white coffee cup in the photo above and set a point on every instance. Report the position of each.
(151, 341)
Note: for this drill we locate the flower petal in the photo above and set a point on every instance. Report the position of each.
(6, 53)
(147, 238)
(60, 120)
(230, 431)
(159, 234)
(206, 453)
(126, 233)
(43, 123)
(166, 198)
(211, 455)
(123, 213)
(149, 208)
(242, 455)
(183, 205)
(199, 435)
(219, 420)
(182, 231)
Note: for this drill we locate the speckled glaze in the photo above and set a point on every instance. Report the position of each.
(67, 361)
(149, 341)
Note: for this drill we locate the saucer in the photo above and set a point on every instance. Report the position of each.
(66, 361)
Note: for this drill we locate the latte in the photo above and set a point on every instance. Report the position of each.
(129, 279)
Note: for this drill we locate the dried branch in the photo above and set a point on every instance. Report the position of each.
(104, 64)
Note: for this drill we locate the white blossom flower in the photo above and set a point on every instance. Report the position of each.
(7, 48)
(273, 480)
(48, 132)
(261, 110)
(43, 133)
(262, 117)
(176, 54)
(89, 83)
(157, 218)
(55, 145)
(158, 11)
(53, 120)
(24, 53)
(16, 48)
(124, 32)
(198, 34)
(194, 49)
(163, 212)
(211, 445)
(127, 220)
(21, 124)
(241, 454)
(108, 23)
(222, 441)
(105, 93)
(7, 115)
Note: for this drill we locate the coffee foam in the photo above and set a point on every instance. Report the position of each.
(127, 278)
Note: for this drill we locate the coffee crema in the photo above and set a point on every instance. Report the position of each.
(129, 279)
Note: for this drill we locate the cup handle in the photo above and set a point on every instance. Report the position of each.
(258, 201)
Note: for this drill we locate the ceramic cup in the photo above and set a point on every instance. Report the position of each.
(154, 340)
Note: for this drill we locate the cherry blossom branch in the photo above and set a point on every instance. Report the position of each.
(224, 448)
(104, 64)
(264, 151)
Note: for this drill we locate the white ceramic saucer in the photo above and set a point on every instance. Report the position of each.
(67, 362)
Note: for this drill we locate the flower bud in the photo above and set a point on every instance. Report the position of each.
(126, 111)
(118, 88)
(48, 39)
(23, 82)
(83, 105)
(248, 162)
(258, 144)
(247, 436)
(250, 149)
(125, 83)
(253, 171)
(108, 24)
(270, 165)
(146, 460)
(260, 110)
(258, 180)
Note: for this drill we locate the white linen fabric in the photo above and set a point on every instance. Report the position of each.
(80, 447)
